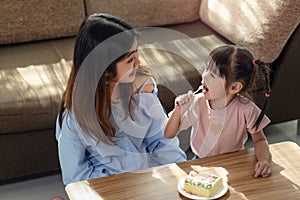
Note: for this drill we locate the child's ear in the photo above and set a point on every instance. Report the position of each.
(235, 87)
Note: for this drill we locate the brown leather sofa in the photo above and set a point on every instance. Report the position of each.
(37, 38)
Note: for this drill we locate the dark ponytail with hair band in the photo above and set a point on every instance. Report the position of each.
(264, 68)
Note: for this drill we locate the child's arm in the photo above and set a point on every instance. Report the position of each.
(173, 123)
(263, 155)
(182, 103)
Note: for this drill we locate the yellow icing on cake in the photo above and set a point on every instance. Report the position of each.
(203, 185)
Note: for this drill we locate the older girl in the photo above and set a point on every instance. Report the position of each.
(110, 119)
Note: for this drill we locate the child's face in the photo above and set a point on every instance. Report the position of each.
(126, 68)
(213, 85)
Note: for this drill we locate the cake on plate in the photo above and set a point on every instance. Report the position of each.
(203, 185)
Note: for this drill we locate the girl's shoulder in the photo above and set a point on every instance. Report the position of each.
(144, 84)
(144, 79)
(68, 118)
(245, 104)
(244, 101)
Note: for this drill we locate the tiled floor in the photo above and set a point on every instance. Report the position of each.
(38, 189)
(48, 187)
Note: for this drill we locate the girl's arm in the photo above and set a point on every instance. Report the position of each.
(72, 155)
(173, 123)
(263, 155)
(182, 104)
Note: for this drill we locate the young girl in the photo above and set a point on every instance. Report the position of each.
(110, 119)
(222, 115)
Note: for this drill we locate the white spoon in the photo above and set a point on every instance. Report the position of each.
(200, 88)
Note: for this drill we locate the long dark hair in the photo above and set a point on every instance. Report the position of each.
(93, 31)
(236, 63)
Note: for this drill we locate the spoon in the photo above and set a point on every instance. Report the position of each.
(200, 88)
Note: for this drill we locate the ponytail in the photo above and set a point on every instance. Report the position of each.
(264, 68)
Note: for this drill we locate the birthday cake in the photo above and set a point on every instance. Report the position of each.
(203, 185)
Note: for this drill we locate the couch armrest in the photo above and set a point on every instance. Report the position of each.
(263, 27)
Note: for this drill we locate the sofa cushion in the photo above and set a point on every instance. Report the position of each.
(262, 26)
(27, 155)
(32, 79)
(142, 13)
(23, 21)
(34, 75)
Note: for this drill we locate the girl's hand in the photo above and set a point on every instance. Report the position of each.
(184, 101)
(262, 168)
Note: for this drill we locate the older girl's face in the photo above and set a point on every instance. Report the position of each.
(126, 68)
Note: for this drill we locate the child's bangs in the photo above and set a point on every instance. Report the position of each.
(212, 66)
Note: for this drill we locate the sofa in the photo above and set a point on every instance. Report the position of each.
(36, 44)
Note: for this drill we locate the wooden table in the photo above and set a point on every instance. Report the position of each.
(237, 168)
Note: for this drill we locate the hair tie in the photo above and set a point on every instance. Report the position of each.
(253, 62)
(267, 95)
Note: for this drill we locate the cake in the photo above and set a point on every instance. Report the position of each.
(203, 185)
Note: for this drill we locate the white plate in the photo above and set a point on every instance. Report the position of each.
(220, 193)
